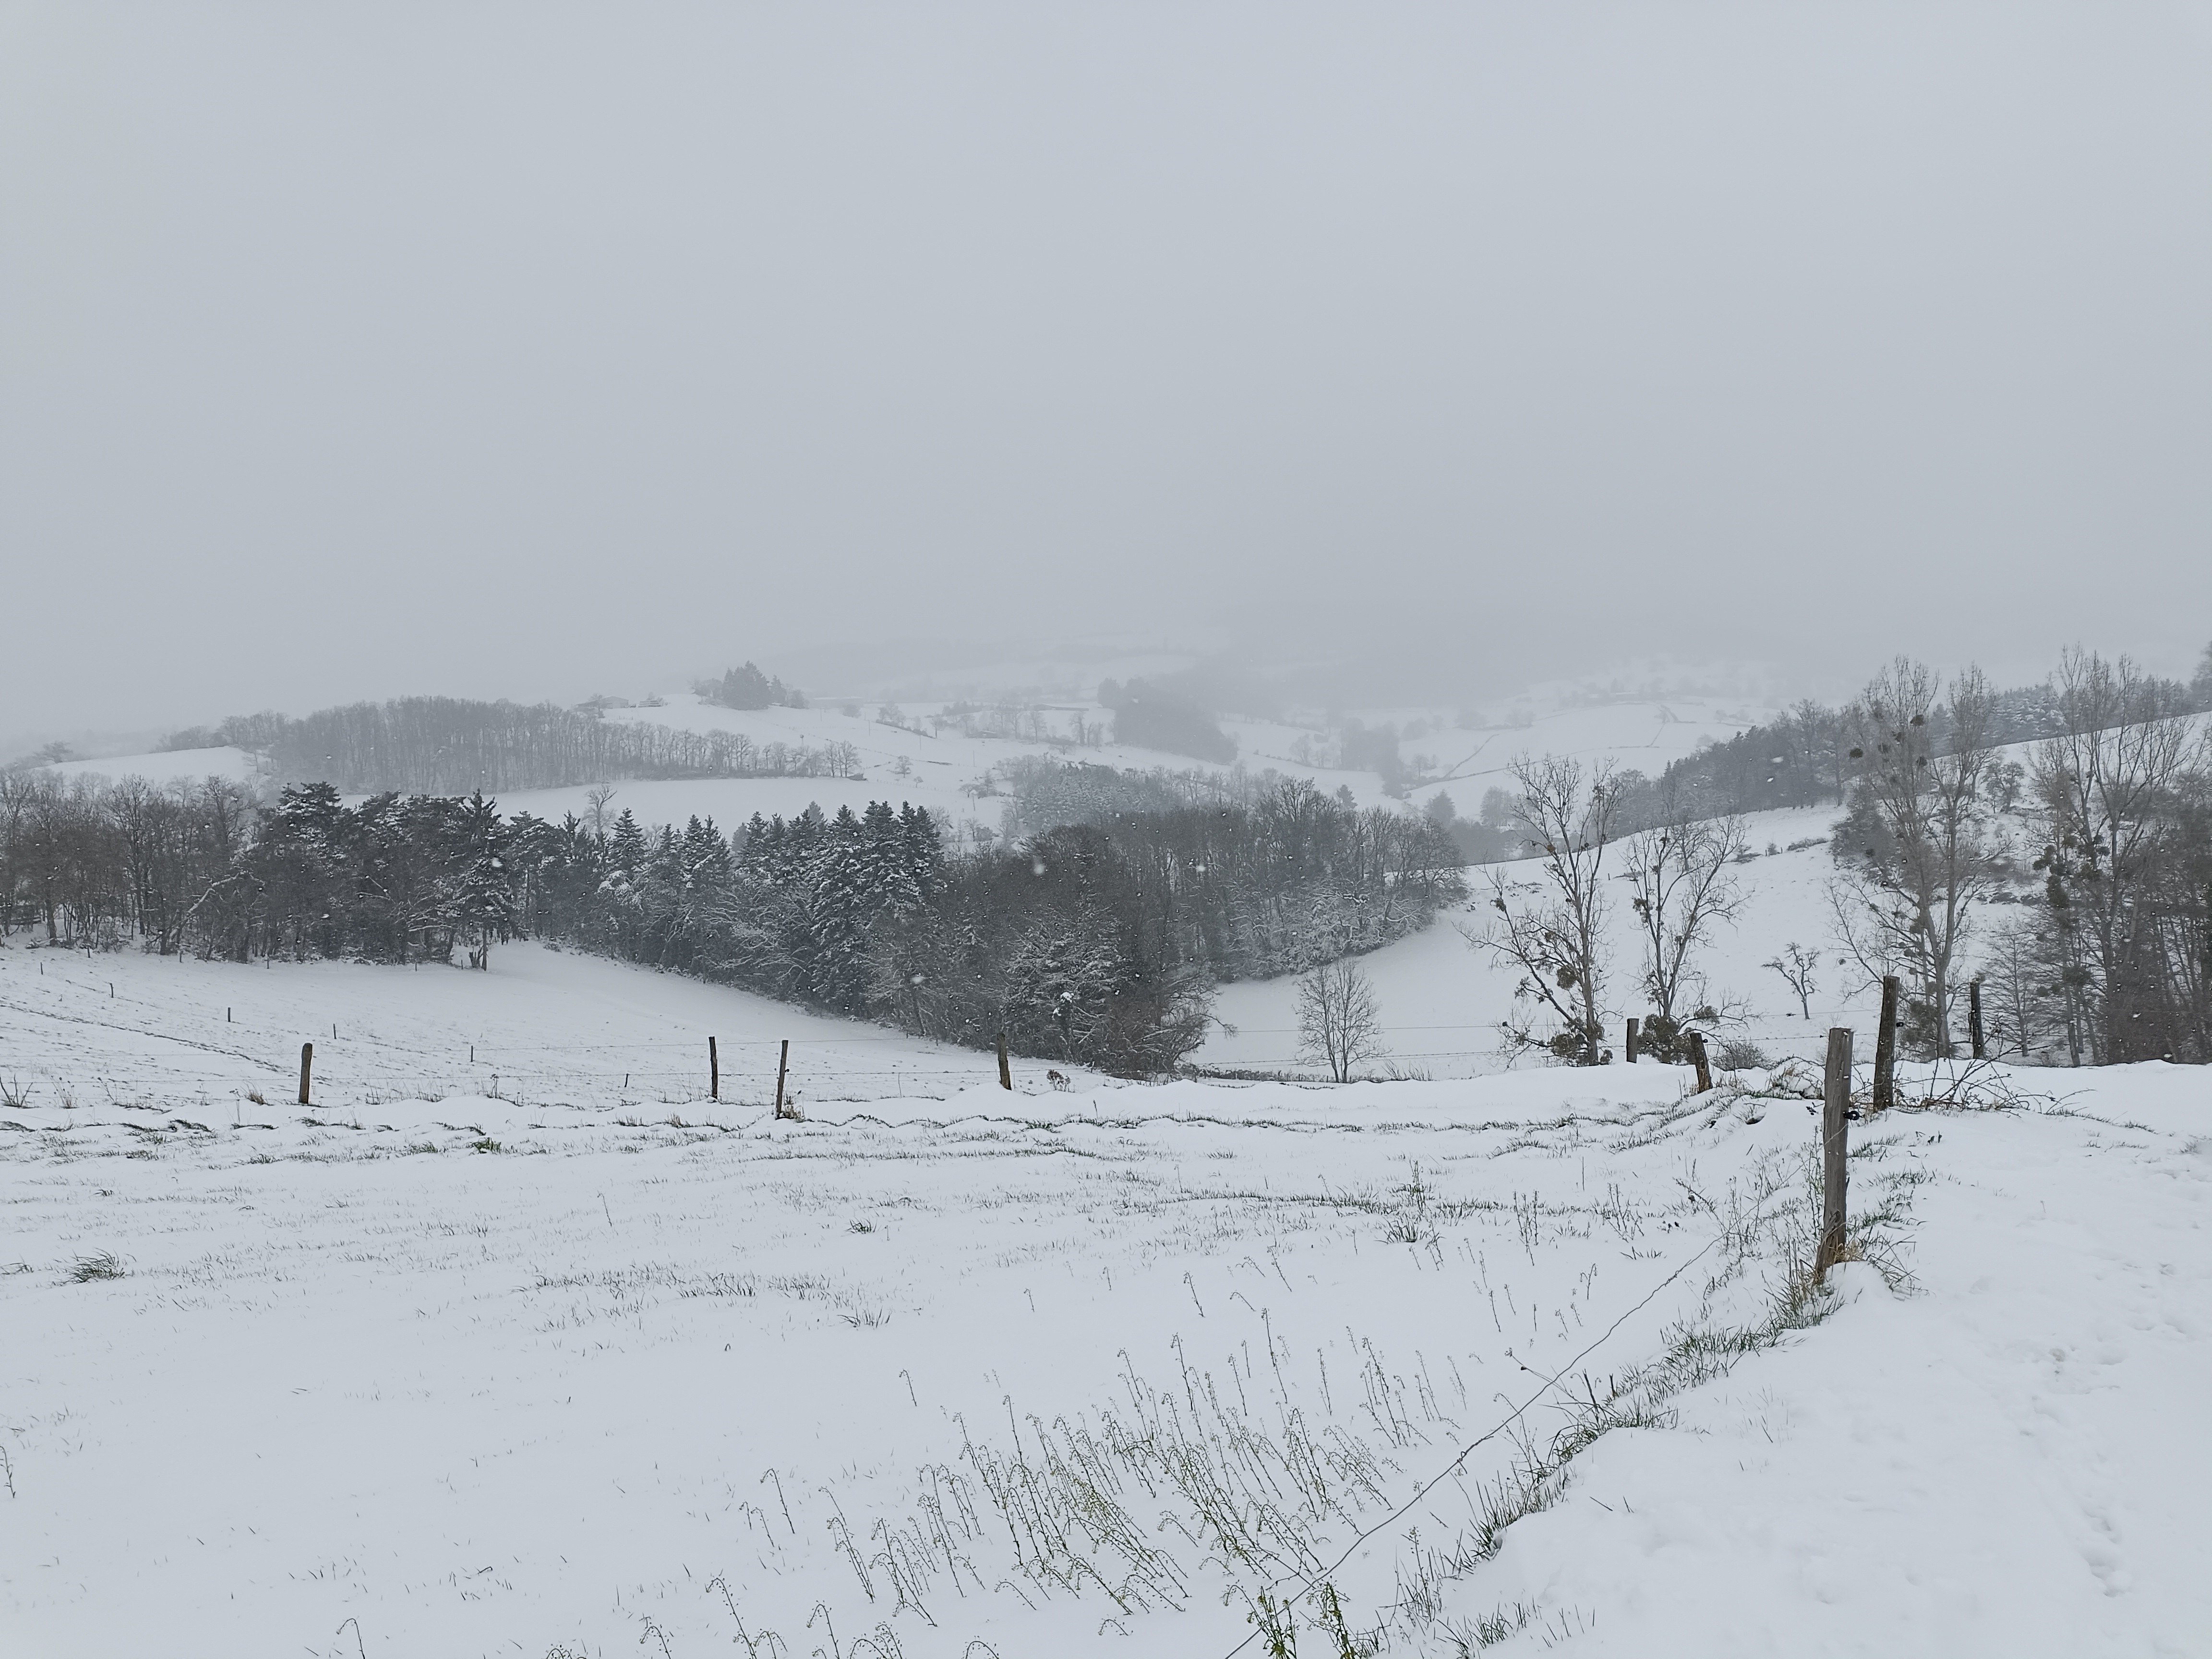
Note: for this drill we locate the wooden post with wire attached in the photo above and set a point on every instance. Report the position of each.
(782, 1066)
(1005, 1071)
(1974, 1017)
(1629, 1046)
(1835, 1117)
(306, 1069)
(1696, 1040)
(1885, 1048)
(714, 1072)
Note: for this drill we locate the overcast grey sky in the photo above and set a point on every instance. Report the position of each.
(526, 349)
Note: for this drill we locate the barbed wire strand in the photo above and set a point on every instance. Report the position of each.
(1451, 1468)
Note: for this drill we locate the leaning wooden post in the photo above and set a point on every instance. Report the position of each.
(1629, 1047)
(1005, 1072)
(1885, 1048)
(783, 1066)
(1834, 1116)
(714, 1072)
(1974, 1016)
(306, 1069)
(1698, 1059)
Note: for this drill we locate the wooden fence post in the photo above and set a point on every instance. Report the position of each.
(1834, 1152)
(306, 1069)
(714, 1072)
(1698, 1059)
(1974, 1016)
(1005, 1072)
(782, 1065)
(1885, 1048)
(1630, 1045)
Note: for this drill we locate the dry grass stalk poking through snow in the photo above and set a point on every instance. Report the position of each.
(89, 1268)
(1253, 1483)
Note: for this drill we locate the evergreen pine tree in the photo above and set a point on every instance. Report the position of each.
(628, 847)
(485, 896)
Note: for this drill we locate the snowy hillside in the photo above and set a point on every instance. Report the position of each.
(1441, 998)
(1647, 737)
(1055, 1373)
(168, 766)
(943, 770)
(129, 1031)
(925, 760)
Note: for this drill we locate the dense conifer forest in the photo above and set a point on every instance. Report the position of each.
(1087, 943)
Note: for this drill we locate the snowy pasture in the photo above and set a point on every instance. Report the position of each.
(572, 1369)
(168, 766)
(567, 1031)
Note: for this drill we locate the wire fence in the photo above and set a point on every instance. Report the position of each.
(80, 1039)
(70, 1032)
(79, 1079)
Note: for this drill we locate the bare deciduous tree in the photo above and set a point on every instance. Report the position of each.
(1796, 965)
(1340, 1024)
(2030, 1002)
(1685, 884)
(596, 799)
(1917, 853)
(1552, 930)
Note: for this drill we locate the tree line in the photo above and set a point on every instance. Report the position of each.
(1152, 716)
(1043, 791)
(1804, 758)
(2073, 887)
(204, 868)
(1098, 944)
(1266, 874)
(453, 746)
(749, 688)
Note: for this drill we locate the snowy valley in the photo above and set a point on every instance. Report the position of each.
(530, 1334)
(992, 831)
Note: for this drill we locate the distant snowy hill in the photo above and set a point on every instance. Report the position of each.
(922, 756)
(168, 766)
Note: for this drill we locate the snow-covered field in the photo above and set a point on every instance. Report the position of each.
(128, 1031)
(168, 766)
(577, 1369)
(516, 1342)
